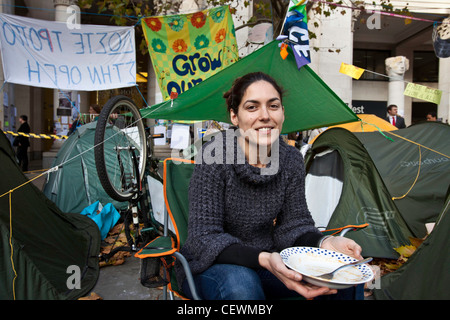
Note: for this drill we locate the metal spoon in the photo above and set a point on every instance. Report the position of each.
(330, 275)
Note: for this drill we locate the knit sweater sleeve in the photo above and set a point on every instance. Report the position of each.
(206, 235)
(295, 225)
(240, 255)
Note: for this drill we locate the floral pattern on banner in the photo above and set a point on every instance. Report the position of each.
(220, 35)
(179, 46)
(218, 14)
(201, 41)
(159, 46)
(154, 24)
(198, 19)
(176, 23)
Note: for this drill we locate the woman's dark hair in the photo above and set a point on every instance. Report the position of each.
(234, 96)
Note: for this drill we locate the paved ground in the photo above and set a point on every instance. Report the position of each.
(122, 283)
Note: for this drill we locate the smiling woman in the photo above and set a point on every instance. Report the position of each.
(243, 213)
(259, 117)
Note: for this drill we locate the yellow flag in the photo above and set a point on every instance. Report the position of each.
(351, 70)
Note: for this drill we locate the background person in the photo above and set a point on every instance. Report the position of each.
(394, 118)
(240, 219)
(431, 116)
(74, 126)
(94, 111)
(22, 143)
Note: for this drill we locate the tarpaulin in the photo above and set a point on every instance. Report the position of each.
(308, 101)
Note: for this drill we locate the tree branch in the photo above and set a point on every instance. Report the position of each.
(252, 24)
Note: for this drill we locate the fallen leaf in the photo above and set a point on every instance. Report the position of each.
(115, 260)
(92, 296)
(406, 251)
(116, 238)
(416, 242)
(386, 265)
(116, 229)
(392, 266)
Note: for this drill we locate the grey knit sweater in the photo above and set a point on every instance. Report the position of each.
(235, 206)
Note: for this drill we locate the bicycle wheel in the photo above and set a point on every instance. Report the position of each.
(120, 148)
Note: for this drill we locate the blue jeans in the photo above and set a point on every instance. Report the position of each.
(233, 282)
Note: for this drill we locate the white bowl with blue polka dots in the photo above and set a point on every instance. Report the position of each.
(311, 262)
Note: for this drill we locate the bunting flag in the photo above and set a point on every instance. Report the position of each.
(421, 92)
(413, 90)
(351, 70)
(187, 49)
(296, 30)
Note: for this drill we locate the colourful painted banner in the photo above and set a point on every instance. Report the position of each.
(187, 49)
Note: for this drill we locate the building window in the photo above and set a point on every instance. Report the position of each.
(425, 67)
(371, 60)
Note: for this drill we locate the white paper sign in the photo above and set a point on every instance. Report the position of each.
(156, 191)
(49, 54)
(160, 141)
(180, 136)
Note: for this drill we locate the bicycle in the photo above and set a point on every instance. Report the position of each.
(122, 165)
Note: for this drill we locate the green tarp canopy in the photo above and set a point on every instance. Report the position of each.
(309, 102)
(48, 245)
(425, 276)
(76, 185)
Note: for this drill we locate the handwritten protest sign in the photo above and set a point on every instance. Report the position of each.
(187, 49)
(48, 54)
(418, 91)
(351, 70)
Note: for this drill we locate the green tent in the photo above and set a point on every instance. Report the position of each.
(76, 184)
(309, 102)
(343, 187)
(425, 276)
(352, 178)
(45, 253)
(423, 151)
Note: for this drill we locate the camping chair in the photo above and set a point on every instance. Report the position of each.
(158, 256)
(163, 250)
(342, 231)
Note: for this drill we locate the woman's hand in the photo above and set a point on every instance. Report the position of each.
(290, 278)
(344, 245)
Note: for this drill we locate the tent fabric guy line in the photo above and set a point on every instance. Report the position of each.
(420, 162)
(10, 193)
(420, 145)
